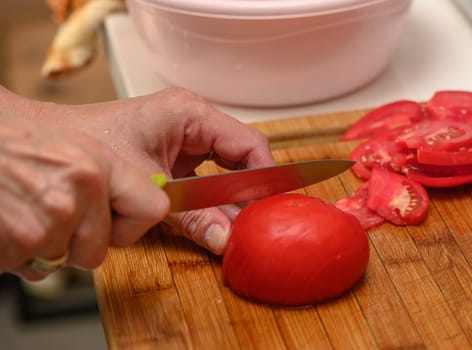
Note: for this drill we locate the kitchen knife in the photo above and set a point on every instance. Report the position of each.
(198, 192)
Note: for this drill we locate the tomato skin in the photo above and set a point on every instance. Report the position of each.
(439, 181)
(450, 105)
(386, 117)
(434, 150)
(398, 199)
(439, 176)
(292, 249)
(428, 155)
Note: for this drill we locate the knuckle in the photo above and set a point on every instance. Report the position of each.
(261, 138)
(153, 216)
(183, 94)
(258, 137)
(192, 224)
(89, 246)
(91, 261)
(58, 204)
(188, 101)
(88, 174)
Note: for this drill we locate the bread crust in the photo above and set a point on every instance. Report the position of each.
(74, 44)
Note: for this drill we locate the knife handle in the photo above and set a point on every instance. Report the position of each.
(159, 179)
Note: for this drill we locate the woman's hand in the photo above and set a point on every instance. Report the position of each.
(58, 188)
(171, 131)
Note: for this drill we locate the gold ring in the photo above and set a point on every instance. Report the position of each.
(47, 266)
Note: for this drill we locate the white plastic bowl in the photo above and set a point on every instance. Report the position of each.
(270, 52)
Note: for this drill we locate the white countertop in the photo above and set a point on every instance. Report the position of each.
(435, 53)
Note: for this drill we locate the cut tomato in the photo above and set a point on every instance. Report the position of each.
(437, 134)
(428, 155)
(398, 199)
(359, 168)
(356, 204)
(439, 176)
(451, 105)
(292, 249)
(439, 181)
(432, 149)
(386, 117)
(380, 151)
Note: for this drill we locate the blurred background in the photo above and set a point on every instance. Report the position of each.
(61, 312)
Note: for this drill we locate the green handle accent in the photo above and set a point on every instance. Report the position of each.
(159, 179)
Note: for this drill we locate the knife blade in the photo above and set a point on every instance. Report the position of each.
(236, 186)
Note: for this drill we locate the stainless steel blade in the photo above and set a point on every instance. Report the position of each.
(242, 185)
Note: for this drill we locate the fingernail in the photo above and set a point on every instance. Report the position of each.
(230, 210)
(159, 179)
(216, 238)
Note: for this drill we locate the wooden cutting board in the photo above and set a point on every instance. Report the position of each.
(166, 293)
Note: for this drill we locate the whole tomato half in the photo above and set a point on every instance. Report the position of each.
(293, 249)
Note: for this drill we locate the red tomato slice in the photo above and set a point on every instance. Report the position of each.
(292, 249)
(437, 134)
(451, 105)
(360, 169)
(386, 117)
(428, 155)
(380, 151)
(439, 176)
(398, 199)
(439, 181)
(356, 204)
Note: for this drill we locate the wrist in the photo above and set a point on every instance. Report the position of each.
(16, 106)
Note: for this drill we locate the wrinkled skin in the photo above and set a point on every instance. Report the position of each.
(65, 169)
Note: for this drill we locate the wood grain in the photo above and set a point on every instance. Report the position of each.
(166, 292)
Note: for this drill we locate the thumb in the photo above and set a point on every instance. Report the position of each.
(209, 228)
(136, 201)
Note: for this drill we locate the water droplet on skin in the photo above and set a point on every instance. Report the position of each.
(107, 131)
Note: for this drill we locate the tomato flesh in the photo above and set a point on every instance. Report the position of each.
(292, 249)
(428, 155)
(356, 204)
(439, 181)
(437, 134)
(360, 168)
(387, 117)
(400, 200)
(451, 105)
(379, 151)
(439, 176)
(433, 150)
